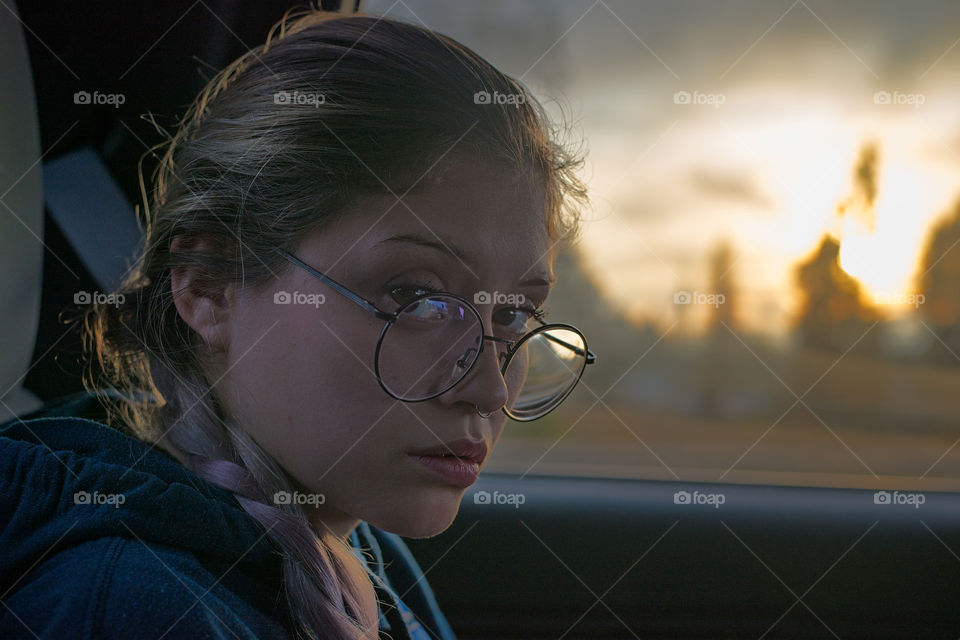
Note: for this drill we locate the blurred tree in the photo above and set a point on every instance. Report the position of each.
(722, 345)
(939, 282)
(833, 314)
(721, 284)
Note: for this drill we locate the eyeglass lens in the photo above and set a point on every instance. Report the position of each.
(435, 340)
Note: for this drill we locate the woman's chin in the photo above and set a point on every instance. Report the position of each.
(423, 519)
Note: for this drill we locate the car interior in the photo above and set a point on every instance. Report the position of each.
(558, 538)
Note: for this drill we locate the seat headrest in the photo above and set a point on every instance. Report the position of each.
(21, 218)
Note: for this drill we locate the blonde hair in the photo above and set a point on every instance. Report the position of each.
(251, 168)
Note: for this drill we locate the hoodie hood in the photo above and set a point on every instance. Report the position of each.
(65, 481)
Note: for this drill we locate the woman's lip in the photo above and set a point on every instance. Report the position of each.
(453, 470)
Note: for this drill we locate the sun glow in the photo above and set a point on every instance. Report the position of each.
(885, 258)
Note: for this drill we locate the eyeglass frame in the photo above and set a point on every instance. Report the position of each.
(389, 318)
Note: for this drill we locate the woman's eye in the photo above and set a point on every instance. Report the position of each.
(516, 319)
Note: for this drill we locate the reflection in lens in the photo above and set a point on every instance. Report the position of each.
(545, 368)
(429, 347)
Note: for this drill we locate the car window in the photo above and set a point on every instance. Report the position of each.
(769, 268)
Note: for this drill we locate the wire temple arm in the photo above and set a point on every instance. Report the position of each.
(591, 356)
(366, 304)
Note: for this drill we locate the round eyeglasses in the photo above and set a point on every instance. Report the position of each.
(432, 342)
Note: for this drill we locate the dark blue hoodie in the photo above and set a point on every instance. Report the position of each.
(179, 558)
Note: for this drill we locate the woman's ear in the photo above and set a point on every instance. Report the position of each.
(205, 308)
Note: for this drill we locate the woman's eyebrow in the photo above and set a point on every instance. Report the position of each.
(451, 249)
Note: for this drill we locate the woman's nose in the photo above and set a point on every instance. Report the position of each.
(484, 385)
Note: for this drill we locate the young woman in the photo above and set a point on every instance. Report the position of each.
(339, 304)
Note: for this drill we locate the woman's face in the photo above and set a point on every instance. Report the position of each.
(299, 377)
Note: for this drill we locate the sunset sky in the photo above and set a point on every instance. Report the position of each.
(783, 95)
